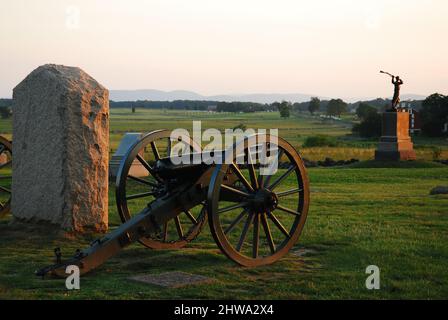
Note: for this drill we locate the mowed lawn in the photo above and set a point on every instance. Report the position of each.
(294, 129)
(358, 217)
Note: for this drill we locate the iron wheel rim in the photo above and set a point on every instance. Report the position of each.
(217, 228)
(124, 212)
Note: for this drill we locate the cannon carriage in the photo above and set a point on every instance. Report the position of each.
(255, 212)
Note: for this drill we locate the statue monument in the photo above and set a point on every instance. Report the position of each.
(397, 82)
(395, 143)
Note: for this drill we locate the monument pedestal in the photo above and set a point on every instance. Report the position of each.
(395, 143)
(137, 169)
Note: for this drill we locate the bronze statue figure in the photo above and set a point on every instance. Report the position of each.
(397, 82)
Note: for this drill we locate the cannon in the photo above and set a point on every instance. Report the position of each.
(255, 215)
(5, 176)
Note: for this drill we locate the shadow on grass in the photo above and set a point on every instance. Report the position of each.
(396, 164)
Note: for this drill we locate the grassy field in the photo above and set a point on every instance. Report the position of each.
(368, 214)
(358, 217)
(295, 130)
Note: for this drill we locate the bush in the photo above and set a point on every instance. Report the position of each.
(241, 126)
(5, 112)
(370, 127)
(320, 141)
(434, 115)
(364, 110)
(285, 109)
(314, 105)
(436, 153)
(336, 107)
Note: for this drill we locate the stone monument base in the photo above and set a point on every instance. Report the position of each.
(407, 155)
(395, 143)
(137, 169)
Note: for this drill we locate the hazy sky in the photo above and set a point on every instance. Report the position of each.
(332, 48)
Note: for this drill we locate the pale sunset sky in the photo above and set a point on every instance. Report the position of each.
(330, 48)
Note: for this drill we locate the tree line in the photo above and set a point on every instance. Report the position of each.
(433, 110)
(5, 108)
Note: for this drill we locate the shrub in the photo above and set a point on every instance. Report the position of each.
(434, 115)
(336, 107)
(436, 153)
(364, 110)
(285, 109)
(241, 126)
(370, 127)
(314, 105)
(5, 112)
(320, 141)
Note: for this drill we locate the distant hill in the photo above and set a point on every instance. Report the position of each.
(406, 97)
(154, 95)
(158, 95)
(264, 98)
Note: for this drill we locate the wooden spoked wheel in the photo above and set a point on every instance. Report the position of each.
(137, 185)
(5, 176)
(256, 218)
